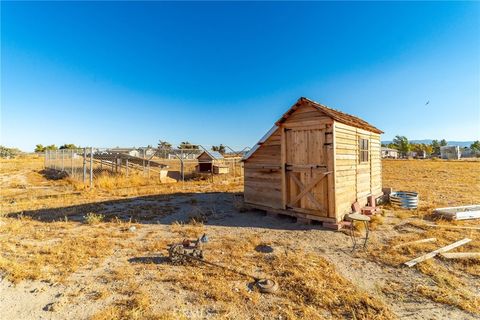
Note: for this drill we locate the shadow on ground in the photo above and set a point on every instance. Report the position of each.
(210, 208)
(149, 260)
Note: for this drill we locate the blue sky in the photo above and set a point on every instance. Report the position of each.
(129, 74)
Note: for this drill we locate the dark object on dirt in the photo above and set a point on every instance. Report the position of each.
(266, 285)
(52, 174)
(204, 238)
(191, 250)
(150, 260)
(180, 252)
(263, 248)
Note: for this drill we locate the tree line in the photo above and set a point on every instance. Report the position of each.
(403, 146)
(6, 152)
(164, 145)
(42, 148)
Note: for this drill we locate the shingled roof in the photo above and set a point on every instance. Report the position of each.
(334, 114)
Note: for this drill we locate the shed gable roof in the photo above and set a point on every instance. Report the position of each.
(332, 113)
(214, 155)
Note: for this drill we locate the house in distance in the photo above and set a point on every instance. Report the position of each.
(389, 153)
(314, 163)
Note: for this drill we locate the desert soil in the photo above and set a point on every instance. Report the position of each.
(77, 297)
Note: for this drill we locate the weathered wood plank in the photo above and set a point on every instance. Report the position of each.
(461, 255)
(414, 242)
(283, 161)
(432, 254)
(452, 227)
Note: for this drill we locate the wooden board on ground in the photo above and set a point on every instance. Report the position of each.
(432, 254)
(461, 255)
(452, 227)
(415, 242)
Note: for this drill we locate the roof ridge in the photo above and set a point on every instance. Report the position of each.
(329, 108)
(334, 113)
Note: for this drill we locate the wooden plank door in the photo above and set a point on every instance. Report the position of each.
(306, 173)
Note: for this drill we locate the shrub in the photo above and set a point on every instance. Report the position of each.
(93, 218)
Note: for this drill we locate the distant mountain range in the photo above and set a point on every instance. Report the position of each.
(429, 141)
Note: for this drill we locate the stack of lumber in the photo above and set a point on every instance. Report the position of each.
(459, 213)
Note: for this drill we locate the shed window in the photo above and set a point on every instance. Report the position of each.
(363, 147)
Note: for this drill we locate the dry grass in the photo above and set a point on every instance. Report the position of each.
(24, 187)
(108, 181)
(439, 183)
(52, 251)
(310, 286)
(447, 281)
(134, 307)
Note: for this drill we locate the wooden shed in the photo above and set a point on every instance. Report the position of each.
(211, 162)
(314, 164)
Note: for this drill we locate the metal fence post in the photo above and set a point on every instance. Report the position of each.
(126, 166)
(63, 158)
(182, 170)
(143, 150)
(55, 162)
(84, 165)
(91, 167)
(71, 161)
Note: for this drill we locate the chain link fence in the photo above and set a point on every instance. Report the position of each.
(155, 164)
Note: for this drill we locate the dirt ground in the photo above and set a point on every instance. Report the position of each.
(69, 253)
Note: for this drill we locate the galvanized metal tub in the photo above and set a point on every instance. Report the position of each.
(404, 199)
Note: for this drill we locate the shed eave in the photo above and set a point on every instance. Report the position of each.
(259, 143)
(336, 115)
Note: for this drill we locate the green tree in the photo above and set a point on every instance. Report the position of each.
(187, 145)
(420, 148)
(417, 147)
(39, 148)
(9, 152)
(475, 146)
(443, 142)
(221, 148)
(428, 149)
(164, 145)
(401, 144)
(68, 146)
(435, 147)
(51, 147)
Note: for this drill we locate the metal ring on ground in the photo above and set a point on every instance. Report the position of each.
(266, 285)
(404, 199)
